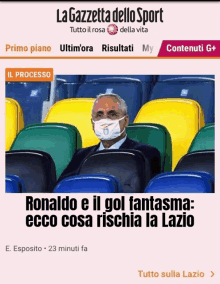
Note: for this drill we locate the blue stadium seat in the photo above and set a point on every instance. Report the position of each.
(72, 78)
(30, 95)
(146, 80)
(14, 184)
(128, 89)
(202, 161)
(181, 182)
(131, 167)
(142, 78)
(88, 184)
(168, 77)
(35, 168)
(200, 89)
(67, 86)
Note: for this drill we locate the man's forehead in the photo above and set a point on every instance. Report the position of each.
(107, 103)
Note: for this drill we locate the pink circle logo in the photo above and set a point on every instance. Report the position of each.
(112, 29)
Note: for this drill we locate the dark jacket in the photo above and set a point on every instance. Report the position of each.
(80, 155)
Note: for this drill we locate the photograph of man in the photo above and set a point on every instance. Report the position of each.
(110, 119)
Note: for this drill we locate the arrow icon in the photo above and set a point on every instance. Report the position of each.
(212, 274)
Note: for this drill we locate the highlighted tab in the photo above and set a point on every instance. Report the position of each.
(29, 74)
(190, 48)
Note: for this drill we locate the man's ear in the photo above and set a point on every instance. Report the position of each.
(126, 120)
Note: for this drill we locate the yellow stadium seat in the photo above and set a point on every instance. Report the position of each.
(182, 117)
(75, 111)
(14, 121)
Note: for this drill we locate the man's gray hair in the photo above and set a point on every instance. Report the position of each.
(122, 102)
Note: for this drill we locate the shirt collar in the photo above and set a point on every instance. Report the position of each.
(115, 146)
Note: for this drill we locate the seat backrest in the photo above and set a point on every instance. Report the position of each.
(14, 121)
(129, 166)
(142, 78)
(128, 89)
(35, 168)
(182, 117)
(147, 81)
(30, 95)
(76, 112)
(66, 91)
(71, 78)
(203, 161)
(169, 77)
(88, 184)
(57, 139)
(14, 184)
(204, 139)
(181, 182)
(67, 86)
(199, 89)
(155, 135)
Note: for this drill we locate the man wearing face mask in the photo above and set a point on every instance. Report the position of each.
(110, 119)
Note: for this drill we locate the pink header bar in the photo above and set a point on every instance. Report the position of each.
(190, 48)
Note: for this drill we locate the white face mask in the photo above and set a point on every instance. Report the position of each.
(107, 129)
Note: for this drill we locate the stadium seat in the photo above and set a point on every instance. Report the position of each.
(181, 182)
(182, 117)
(13, 184)
(169, 77)
(199, 89)
(146, 80)
(14, 121)
(35, 168)
(203, 161)
(142, 78)
(204, 140)
(88, 184)
(65, 91)
(128, 89)
(30, 95)
(77, 79)
(129, 166)
(155, 135)
(59, 140)
(76, 112)
(67, 86)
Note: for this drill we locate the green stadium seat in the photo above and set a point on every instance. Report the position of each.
(155, 135)
(77, 112)
(204, 139)
(57, 139)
